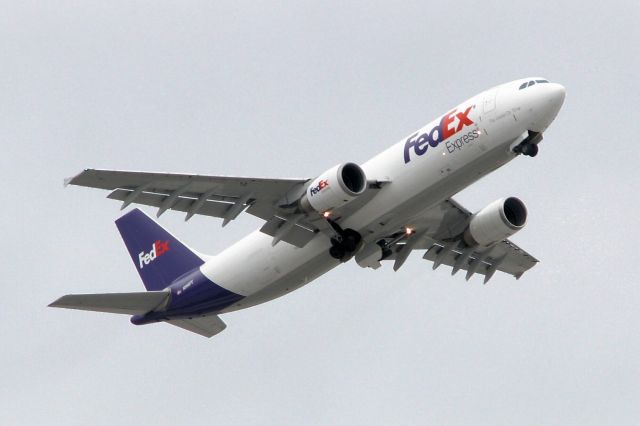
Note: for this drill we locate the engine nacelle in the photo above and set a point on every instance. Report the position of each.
(499, 220)
(334, 188)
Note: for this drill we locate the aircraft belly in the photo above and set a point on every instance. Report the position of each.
(315, 267)
(260, 272)
(252, 264)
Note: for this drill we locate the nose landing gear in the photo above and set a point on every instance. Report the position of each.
(529, 149)
(529, 146)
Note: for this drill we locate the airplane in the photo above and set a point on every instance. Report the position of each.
(398, 202)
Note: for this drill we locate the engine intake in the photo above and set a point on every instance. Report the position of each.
(499, 220)
(334, 188)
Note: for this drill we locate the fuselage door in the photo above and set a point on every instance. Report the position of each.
(489, 103)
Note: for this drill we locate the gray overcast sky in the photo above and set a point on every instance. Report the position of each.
(288, 90)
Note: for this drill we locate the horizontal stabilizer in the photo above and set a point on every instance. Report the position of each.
(205, 326)
(116, 303)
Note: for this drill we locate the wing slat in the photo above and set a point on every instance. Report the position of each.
(169, 182)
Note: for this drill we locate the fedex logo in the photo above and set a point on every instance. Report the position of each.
(157, 249)
(450, 124)
(319, 187)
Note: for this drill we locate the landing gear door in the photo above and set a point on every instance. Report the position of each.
(489, 103)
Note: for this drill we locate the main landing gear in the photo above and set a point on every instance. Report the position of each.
(529, 146)
(345, 244)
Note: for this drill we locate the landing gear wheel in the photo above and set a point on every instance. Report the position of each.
(350, 241)
(345, 243)
(337, 252)
(529, 149)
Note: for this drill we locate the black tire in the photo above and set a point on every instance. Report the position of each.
(351, 240)
(337, 252)
(530, 149)
(349, 245)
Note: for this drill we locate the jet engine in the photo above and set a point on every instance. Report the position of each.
(499, 220)
(334, 188)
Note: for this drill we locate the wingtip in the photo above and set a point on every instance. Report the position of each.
(55, 303)
(69, 180)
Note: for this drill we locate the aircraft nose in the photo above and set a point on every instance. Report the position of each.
(557, 93)
(544, 104)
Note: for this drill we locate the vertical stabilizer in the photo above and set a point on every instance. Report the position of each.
(158, 256)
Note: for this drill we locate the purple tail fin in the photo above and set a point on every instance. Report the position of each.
(159, 257)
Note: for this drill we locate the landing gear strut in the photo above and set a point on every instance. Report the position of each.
(529, 146)
(345, 244)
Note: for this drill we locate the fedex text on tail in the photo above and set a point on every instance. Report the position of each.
(158, 248)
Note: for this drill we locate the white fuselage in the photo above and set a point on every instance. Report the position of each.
(496, 120)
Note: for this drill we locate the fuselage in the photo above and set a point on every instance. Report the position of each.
(424, 168)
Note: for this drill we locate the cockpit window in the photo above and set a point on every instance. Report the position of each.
(531, 83)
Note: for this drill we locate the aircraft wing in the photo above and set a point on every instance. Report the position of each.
(441, 228)
(218, 196)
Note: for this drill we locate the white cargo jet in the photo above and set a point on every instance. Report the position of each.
(395, 203)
